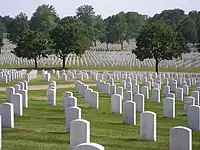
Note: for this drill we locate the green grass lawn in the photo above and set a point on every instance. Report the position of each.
(128, 68)
(43, 127)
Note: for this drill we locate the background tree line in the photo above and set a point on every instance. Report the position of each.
(46, 33)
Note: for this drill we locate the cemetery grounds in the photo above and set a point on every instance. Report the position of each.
(44, 127)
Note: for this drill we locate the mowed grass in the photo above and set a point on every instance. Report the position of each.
(121, 68)
(43, 127)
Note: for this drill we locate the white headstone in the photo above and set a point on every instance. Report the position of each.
(24, 94)
(129, 112)
(148, 126)
(169, 107)
(7, 115)
(180, 138)
(9, 92)
(79, 132)
(195, 94)
(128, 96)
(16, 100)
(72, 113)
(139, 99)
(93, 100)
(193, 117)
(156, 95)
(145, 92)
(116, 103)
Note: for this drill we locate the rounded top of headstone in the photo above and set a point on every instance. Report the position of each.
(94, 145)
(181, 128)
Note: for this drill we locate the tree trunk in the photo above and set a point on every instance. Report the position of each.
(63, 64)
(128, 42)
(178, 70)
(36, 65)
(122, 46)
(107, 46)
(157, 63)
(95, 43)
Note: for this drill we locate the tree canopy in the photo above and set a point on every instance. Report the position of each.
(33, 45)
(86, 14)
(44, 18)
(158, 40)
(70, 37)
(187, 24)
(6, 20)
(2, 28)
(17, 27)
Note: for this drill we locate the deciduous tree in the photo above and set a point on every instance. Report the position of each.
(69, 38)
(17, 27)
(44, 18)
(6, 20)
(86, 14)
(188, 28)
(158, 40)
(33, 45)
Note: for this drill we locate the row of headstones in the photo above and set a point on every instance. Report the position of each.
(90, 96)
(121, 59)
(10, 75)
(64, 75)
(168, 91)
(148, 80)
(142, 76)
(149, 75)
(166, 81)
(131, 83)
(16, 100)
(152, 77)
(51, 93)
(74, 121)
(124, 75)
(132, 86)
(133, 93)
(79, 129)
(31, 75)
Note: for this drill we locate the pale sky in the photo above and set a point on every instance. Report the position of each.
(103, 7)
